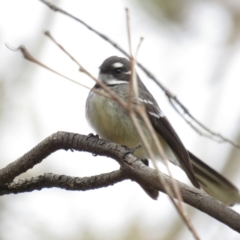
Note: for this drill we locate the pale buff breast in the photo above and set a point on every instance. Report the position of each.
(111, 123)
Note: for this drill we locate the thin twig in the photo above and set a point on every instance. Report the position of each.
(30, 58)
(217, 137)
(138, 46)
(110, 93)
(133, 91)
(151, 76)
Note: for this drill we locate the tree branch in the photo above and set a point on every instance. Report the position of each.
(130, 168)
(50, 180)
(57, 141)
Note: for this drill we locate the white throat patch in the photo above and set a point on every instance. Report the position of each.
(109, 80)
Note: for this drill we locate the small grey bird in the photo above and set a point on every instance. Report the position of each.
(112, 123)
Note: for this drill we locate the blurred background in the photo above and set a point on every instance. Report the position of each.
(191, 46)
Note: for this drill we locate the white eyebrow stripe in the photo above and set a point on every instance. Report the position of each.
(115, 82)
(160, 115)
(117, 65)
(145, 101)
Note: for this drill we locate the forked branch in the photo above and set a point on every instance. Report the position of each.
(130, 168)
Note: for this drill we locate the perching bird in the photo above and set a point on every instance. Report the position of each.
(112, 123)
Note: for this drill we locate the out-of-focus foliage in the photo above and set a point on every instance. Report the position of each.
(172, 10)
(177, 12)
(172, 14)
(232, 163)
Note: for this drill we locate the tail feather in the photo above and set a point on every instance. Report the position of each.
(151, 192)
(214, 183)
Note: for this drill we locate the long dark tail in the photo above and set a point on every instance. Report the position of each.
(214, 183)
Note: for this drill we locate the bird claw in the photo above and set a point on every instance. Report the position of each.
(145, 162)
(130, 150)
(92, 135)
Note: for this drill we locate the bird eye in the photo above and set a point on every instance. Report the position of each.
(118, 70)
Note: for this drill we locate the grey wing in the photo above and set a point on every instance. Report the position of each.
(166, 131)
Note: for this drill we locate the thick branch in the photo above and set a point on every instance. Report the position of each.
(57, 141)
(131, 168)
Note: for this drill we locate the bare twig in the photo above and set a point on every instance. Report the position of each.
(110, 93)
(133, 91)
(133, 86)
(30, 58)
(138, 47)
(176, 190)
(142, 111)
(216, 136)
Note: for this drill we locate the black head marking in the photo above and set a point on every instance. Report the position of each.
(118, 67)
